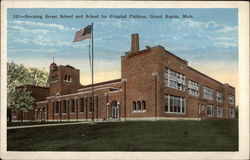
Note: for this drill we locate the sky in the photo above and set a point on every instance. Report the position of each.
(208, 40)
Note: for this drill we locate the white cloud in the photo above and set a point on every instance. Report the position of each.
(34, 50)
(38, 24)
(32, 31)
(225, 44)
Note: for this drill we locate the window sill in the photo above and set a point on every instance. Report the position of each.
(80, 112)
(219, 116)
(175, 113)
(219, 102)
(140, 111)
(53, 81)
(72, 113)
(175, 88)
(67, 81)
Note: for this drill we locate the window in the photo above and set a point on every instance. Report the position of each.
(231, 112)
(208, 93)
(210, 110)
(57, 107)
(54, 78)
(72, 105)
(143, 105)
(174, 79)
(219, 111)
(76, 104)
(134, 105)
(64, 106)
(96, 102)
(67, 78)
(231, 99)
(175, 104)
(91, 107)
(81, 105)
(201, 108)
(138, 105)
(193, 88)
(219, 96)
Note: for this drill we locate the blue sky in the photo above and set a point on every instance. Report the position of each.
(209, 40)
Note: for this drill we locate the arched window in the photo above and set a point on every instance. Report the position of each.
(134, 105)
(65, 78)
(69, 78)
(143, 105)
(138, 105)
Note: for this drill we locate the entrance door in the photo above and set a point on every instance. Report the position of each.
(115, 110)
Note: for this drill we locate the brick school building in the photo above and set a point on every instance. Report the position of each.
(155, 84)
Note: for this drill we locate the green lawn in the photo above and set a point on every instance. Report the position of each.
(205, 135)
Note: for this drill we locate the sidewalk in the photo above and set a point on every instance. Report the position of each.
(47, 125)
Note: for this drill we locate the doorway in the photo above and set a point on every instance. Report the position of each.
(115, 110)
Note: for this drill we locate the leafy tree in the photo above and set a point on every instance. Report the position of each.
(17, 75)
(21, 100)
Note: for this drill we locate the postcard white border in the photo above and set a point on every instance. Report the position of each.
(243, 8)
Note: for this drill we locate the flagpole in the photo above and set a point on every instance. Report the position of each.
(93, 104)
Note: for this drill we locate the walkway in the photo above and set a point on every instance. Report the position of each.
(47, 125)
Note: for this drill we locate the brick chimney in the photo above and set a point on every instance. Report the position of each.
(135, 43)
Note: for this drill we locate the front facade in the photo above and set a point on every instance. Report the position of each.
(155, 84)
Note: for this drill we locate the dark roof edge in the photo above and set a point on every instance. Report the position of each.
(101, 83)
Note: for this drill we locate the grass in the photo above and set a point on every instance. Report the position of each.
(205, 135)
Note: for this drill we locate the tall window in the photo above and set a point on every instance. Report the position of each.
(72, 105)
(134, 106)
(210, 110)
(81, 105)
(143, 105)
(57, 107)
(138, 105)
(64, 106)
(96, 101)
(219, 96)
(193, 88)
(219, 111)
(231, 99)
(91, 107)
(174, 79)
(175, 104)
(208, 93)
(231, 112)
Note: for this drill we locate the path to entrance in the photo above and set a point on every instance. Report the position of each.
(45, 125)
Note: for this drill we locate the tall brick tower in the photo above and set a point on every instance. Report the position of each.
(63, 79)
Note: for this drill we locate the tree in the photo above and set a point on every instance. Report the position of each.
(21, 100)
(17, 75)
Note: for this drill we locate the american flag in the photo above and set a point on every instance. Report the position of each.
(83, 34)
